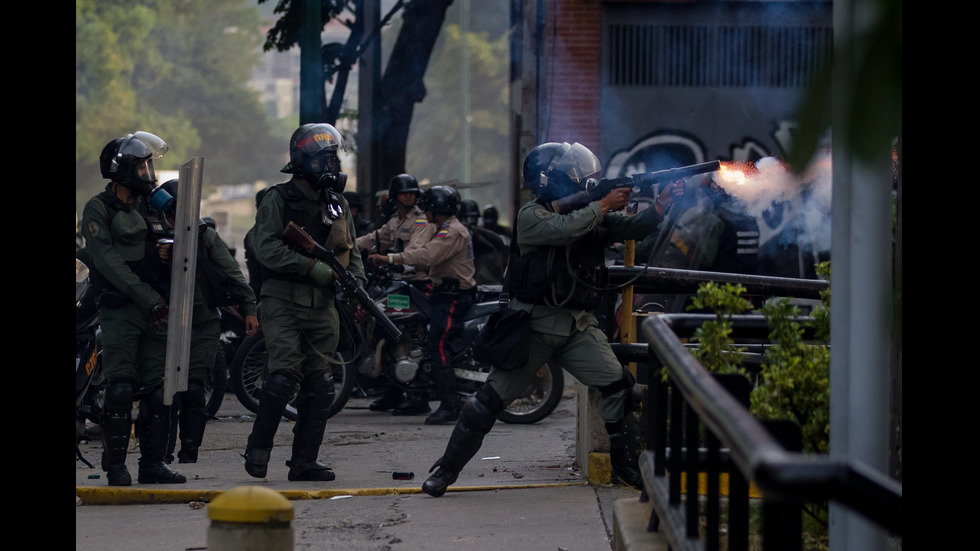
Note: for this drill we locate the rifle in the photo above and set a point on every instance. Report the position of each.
(582, 198)
(295, 235)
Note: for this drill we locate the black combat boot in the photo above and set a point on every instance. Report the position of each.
(174, 429)
(624, 456)
(448, 412)
(311, 420)
(116, 424)
(449, 406)
(277, 391)
(475, 421)
(115, 444)
(392, 397)
(193, 419)
(417, 403)
(153, 430)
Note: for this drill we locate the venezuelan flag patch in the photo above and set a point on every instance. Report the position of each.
(442, 233)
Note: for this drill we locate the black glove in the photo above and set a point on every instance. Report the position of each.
(159, 312)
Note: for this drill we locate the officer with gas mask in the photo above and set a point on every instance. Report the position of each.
(120, 232)
(297, 308)
(559, 277)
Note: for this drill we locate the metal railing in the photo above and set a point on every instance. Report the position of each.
(736, 443)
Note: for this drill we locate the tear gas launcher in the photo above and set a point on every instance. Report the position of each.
(598, 190)
(295, 235)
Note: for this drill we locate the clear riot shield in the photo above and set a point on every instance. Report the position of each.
(182, 274)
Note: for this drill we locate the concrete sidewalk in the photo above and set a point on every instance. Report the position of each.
(521, 491)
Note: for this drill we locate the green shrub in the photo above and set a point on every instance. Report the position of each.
(716, 350)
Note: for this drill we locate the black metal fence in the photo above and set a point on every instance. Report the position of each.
(714, 433)
(705, 418)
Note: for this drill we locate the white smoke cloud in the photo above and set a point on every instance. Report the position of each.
(786, 206)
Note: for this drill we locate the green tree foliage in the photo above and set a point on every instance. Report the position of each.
(435, 142)
(716, 350)
(178, 70)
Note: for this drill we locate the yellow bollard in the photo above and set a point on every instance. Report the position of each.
(250, 518)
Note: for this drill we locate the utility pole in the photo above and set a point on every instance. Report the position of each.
(312, 97)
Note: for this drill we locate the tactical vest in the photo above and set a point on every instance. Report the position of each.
(217, 287)
(149, 269)
(311, 215)
(573, 276)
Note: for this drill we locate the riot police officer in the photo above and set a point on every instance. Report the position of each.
(297, 310)
(491, 221)
(218, 282)
(489, 249)
(558, 277)
(120, 234)
(449, 256)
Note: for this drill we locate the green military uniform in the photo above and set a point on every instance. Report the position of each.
(216, 266)
(299, 319)
(134, 349)
(569, 335)
(123, 255)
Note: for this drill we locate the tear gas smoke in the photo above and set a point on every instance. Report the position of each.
(792, 208)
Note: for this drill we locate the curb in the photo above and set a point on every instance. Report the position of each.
(136, 496)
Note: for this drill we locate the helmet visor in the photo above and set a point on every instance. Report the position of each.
(577, 162)
(143, 170)
(158, 148)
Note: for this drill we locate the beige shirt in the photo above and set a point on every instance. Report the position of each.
(448, 254)
(412, 229)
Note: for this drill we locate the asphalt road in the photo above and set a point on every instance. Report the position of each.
(522, 490)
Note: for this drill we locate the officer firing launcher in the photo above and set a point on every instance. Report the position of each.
(595, 192)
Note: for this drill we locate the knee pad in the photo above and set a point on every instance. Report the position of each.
(154, 403)
(193, 397)
(119, 396)
(281, 386)
(625, 383)
(489, 398)
(481, 411)
(319, 389)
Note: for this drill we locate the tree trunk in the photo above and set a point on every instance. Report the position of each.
(401, 84)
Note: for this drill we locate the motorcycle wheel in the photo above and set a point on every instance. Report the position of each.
(250, 367)
(217, 383)
(539, 399)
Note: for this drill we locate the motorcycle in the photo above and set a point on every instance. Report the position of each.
(89, 382)
(409, 309)
(405, 363)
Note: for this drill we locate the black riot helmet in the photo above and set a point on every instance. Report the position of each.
(313, 151)
(555, 170)
(129, 161)
(490, 215)
(403, 183)
(469, 213)
(440, 200)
